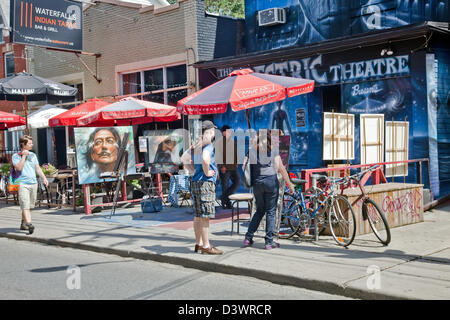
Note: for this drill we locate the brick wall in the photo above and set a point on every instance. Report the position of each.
(122, 36)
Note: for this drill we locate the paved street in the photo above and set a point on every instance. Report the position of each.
(36, 271)
(415, 265)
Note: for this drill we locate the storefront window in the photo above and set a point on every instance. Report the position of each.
(176, 76)
(174, 96)
(162, 83)
(131, 83)
(153, 80)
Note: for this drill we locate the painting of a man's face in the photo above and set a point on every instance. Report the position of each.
(105, 149)
(98, 151)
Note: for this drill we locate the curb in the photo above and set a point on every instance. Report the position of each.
(315, 285)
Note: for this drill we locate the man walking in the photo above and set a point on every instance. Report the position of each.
(228, 167)
(27, 163)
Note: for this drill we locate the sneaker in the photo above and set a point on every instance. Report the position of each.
(23, 226)
(248, 242)
(272, 246)
(30, 228)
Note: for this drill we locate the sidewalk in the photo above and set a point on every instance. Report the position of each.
(416, 264)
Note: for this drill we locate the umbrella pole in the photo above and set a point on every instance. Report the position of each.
(248, 119)
(55, 159)
(25, 103)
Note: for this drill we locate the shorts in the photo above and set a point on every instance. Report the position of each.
(204, 196)
(27, 196)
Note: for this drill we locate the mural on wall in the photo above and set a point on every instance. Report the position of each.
(309, 21)
(392, 97)
(443, 118)
(432, 121)
(97, 150)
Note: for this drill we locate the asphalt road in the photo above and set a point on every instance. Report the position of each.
(35, 271)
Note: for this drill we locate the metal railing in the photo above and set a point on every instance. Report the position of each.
(378, 176)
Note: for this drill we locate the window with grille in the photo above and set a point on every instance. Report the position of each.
(372, 138)
(397, 135)
(338, 136)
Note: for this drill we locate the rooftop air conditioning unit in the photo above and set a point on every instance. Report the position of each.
(272, 16)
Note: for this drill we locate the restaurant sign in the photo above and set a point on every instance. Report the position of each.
(316, 69)
(48, 23)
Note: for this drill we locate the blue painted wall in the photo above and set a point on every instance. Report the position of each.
(442, 56)
(309, 21)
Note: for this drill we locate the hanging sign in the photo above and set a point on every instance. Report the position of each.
(48, 23)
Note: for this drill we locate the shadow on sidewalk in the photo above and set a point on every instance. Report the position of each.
(12, 230)
(65, 268)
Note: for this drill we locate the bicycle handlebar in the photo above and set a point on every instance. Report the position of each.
(360, 174)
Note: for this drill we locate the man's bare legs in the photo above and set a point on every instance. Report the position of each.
(201, 230)
(198, 231)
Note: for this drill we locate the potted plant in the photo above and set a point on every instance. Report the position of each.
(97, 194)
(49, 171)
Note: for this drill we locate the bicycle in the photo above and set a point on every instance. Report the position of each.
(327, 208)
(370, 210)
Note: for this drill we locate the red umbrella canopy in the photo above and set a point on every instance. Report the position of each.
(243, 89)
(129, 111)
(69, 118)
(10, 120)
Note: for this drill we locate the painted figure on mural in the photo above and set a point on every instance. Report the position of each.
(280, 119)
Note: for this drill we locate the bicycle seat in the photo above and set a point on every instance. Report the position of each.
(107, 175)
(319, 176)
(134, 176)
(298, 181)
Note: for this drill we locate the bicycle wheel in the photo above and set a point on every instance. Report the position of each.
(292, 218)
(315, 197)
(342, 220)
(377, 221)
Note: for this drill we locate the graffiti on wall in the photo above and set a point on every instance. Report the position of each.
(410, 204)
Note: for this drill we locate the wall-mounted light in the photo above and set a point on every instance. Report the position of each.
(388, 51)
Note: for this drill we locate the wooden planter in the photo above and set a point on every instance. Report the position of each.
(401, 203)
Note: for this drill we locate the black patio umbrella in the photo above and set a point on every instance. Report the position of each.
(26, 87)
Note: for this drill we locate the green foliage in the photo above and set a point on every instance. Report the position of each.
(135, 183)
(232, 8)
(48, 169)
(4, 169)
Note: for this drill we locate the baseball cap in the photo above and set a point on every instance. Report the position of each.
(208, 125)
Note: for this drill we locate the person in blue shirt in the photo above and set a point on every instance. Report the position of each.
(27, 163)
(203, 186)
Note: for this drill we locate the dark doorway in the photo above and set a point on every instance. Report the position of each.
(42, 143)
(331, 97)
(60, 145)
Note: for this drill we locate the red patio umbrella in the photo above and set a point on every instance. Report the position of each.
(69, 118)
(243, 89)
(10, 120)
(130, 111)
